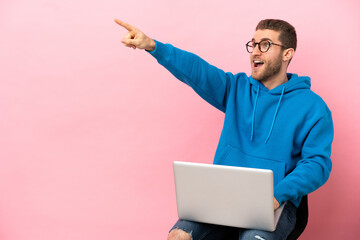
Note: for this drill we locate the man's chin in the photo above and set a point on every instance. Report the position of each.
(256, 77)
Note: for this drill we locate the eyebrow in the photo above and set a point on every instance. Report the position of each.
(263, 39)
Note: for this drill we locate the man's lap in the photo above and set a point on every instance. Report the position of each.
(203, 231)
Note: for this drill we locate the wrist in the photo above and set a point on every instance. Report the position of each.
(151, 46)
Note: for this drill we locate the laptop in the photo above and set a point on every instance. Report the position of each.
(225, 195)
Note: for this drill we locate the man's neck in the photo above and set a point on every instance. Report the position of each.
(275, 81)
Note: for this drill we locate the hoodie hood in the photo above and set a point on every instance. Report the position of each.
(294, 83)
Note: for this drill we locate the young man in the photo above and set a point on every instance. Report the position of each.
(272, 120)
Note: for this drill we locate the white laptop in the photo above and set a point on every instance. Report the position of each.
(225, 195)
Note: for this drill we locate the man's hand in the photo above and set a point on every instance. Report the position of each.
(135, 38)
(276, 204)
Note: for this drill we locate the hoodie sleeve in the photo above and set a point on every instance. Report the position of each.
(313, 170)
(211, 83)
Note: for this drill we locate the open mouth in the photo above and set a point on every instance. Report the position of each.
(257, 64)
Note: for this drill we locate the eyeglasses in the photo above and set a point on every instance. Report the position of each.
(263, 45)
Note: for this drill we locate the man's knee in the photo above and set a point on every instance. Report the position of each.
(257, 235)
(178, 234)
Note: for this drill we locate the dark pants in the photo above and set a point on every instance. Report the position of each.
(204, 231)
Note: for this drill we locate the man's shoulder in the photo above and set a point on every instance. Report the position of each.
(241, 78)
(315, 98)
(315, 102)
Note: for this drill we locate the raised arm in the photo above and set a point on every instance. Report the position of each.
(211, 83)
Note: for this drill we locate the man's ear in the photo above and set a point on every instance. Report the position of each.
(288, 54)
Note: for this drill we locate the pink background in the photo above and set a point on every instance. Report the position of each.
(89, 128)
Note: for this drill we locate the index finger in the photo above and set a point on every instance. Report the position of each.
(124, 24)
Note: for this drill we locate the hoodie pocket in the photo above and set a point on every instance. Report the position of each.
(233, 156)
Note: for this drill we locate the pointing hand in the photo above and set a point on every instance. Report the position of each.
(135, 38)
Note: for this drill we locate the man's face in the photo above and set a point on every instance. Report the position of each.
(268, 64)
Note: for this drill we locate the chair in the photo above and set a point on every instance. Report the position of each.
(302, 215)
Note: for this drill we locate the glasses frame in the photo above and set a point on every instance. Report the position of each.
(258, 43)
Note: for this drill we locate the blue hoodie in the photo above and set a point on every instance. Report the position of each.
(288, 129)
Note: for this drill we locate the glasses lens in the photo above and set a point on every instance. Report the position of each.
(250, 46)
(264, 46)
